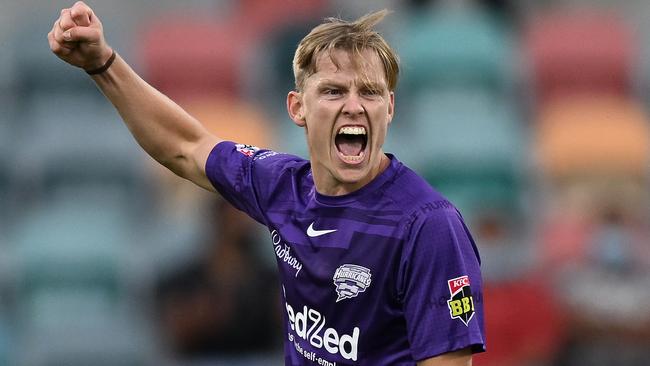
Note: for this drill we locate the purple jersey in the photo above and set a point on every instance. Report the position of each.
(386, 275)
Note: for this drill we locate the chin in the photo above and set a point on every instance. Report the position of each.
(352, 175)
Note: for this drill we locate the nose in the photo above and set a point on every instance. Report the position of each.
(353, 107)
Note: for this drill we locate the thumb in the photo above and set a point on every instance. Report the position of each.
(82, 34)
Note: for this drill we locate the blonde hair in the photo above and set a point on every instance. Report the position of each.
(354, 36)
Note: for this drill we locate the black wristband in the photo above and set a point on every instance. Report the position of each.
(108, 64)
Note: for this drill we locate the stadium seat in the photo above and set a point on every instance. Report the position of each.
(71, 242)
(577, 51)
(355, 9)
(451, 48)
(275, 57)
(471, 148)
(116, 344)
(474, 190)
(264, 16)
(536, 306)
(232, 119)
(184, 54)
(5, 342)
(38, 69)
(592, 135)
(462, 126)
(5, 172)
(70, 285)
(294, 140)
(83, 144)
(80, 188)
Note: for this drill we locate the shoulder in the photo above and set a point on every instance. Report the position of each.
(429, 217)
(240, 167)
(420, 202)
(273, 168)
(259, 158)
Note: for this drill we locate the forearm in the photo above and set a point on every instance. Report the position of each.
(163, 129)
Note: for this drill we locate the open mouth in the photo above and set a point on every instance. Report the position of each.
(351, 143)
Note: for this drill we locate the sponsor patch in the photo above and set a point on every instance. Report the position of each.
(265, 154)
(310, 325)
(248, 150)
(460, 303)
(350, 280)
(283, 252)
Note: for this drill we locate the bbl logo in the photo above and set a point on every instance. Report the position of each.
(350, 280)
(247, 150)
(461, 304)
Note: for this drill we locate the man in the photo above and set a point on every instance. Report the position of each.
(376, 267)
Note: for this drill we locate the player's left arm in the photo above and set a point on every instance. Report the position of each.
(441, 251)
(458, 358)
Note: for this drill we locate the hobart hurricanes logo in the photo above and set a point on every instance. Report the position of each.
(461, 304)
(350, 280)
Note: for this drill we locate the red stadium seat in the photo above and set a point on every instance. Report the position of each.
(194, 55)
(264, 16)
(524, 324)
(580, 51)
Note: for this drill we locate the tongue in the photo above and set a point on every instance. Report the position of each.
(349, 145)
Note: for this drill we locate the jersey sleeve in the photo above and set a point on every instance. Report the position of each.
(441, 287)
(246, 175)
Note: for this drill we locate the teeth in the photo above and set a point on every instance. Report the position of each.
(354, 159)
(352, 130)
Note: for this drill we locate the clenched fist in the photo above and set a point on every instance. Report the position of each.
(77, 37)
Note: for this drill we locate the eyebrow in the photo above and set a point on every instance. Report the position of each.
(330, 82)
(373, 85)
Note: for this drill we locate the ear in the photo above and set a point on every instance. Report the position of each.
(391, 106)
(295, 108)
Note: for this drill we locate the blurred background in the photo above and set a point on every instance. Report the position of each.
(531, 116)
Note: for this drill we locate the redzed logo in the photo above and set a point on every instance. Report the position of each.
(309, 324)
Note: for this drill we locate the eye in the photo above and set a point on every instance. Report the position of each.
(332, 91)
(370, 92)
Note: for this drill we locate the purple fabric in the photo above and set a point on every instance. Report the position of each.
(386, 275)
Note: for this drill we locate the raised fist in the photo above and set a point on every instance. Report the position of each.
(77, 37)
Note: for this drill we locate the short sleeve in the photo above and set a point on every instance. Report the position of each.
(441, 287)
(246, 176)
